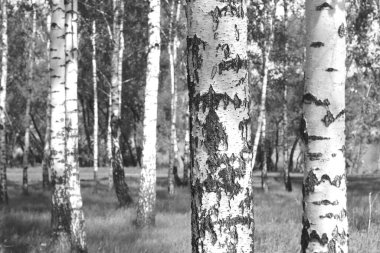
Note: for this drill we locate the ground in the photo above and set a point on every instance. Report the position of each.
(24, 226)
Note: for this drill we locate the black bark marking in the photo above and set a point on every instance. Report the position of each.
(235, 64)
(211, 100)
(342, 31)
(314, 236)
(314, 156)
(325, 202)
(317, 44)
(214, 71)
(324, 6)
(309, 98)
(305, 238)
(311, 181)
(237, 34)
(194, 45)
(214, 133)
(329, 118)
(317, 138)
(243, 127)
(331, 70)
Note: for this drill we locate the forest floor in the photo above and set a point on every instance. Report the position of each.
(25, 224)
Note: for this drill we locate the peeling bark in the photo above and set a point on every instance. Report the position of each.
(147, 190)
(325, 227)
(222, 197)
(3, 103)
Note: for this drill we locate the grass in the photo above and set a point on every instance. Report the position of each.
(25, 224)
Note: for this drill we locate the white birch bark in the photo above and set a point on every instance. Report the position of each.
(78, 236)
(3, 103)
(325, 227)
(222, 197)
(96, 120)
(147, 190)
(264, 170)
(60, 211)
(173, 154)
(109, 141)
(27, 121)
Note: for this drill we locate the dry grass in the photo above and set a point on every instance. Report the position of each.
(24, 226)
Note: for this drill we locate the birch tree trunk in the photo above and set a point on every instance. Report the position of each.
(60, 208)
(287, 181)
(121, 187)
(222, 196)
(78, 236)
(3, 103)
(325, 227)
(27, 121)
(46, 155)
(173, 154)
(109, 141)
(264, 169)
(67, 214)
(94, 80)
(147, 190)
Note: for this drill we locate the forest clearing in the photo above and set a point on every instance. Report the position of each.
(25, 224)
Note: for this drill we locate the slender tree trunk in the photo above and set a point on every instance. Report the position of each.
(46, 155)
(173, 154)
(78, 236)
(109, 142)
(325, 227)
(264, 169)
(147, 191)
(291, 156)
(186, 163)
(287, 181)
(121, 187)
(27, 121)
(94, 80)
(222, 196)
(3, 103)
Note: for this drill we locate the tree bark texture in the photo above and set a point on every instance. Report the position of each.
(67, 214)
(186, 162)
(78, 236)
(29, 84)
(325, 228)
(3, 103)
(96, 120)
(121, 187)
(109, 141)
(221, 188)
(147, 190)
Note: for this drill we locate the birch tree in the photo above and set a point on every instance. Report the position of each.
(96, 120)
(46, 155)
(3, 103)
(28, 101)
(67, 214)
(325, 227)
(287, 182)
(121, 187)
(147, 189)
(222, 196)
